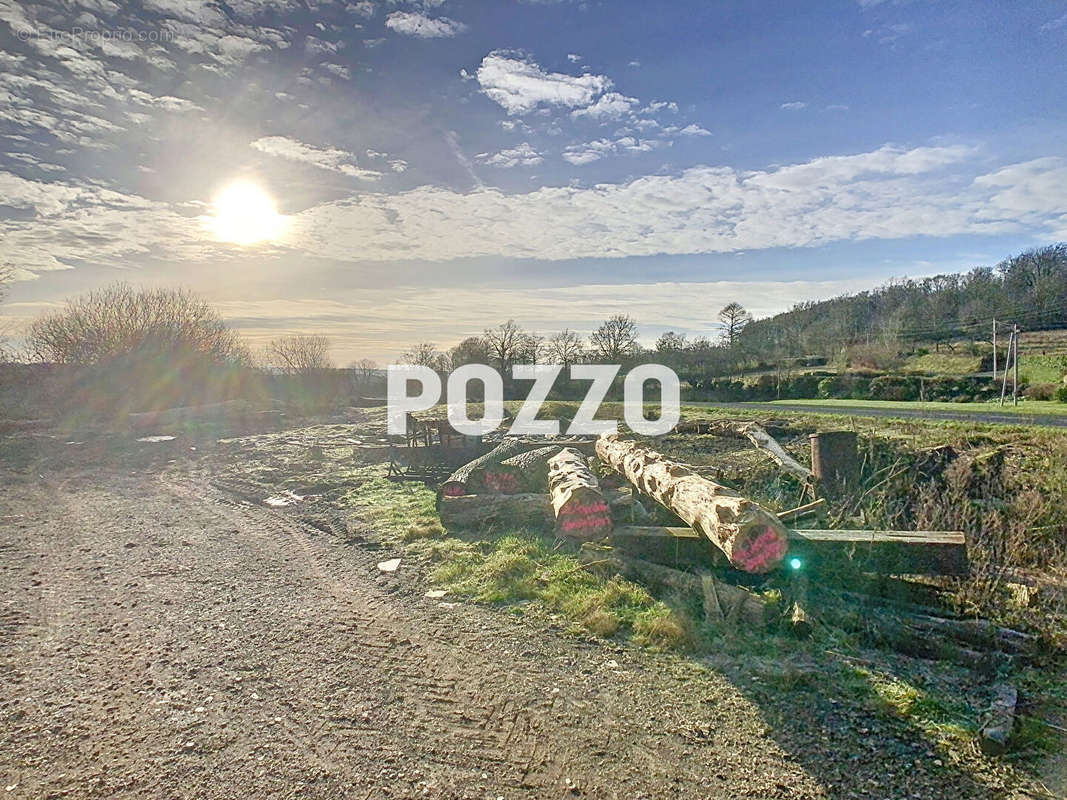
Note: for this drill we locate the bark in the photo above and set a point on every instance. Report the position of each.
(751, 537)
(478, 510)
(457, 483)
(887, 552)
(526, 472)
(579, 506)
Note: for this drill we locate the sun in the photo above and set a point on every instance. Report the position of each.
(245, 214)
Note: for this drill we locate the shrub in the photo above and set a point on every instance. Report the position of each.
(1040, 391)
(894, 387)
(1061, 394)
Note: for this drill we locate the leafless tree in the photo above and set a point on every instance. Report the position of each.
(423, 354)
(565, 347)
(171, 325)
(615, 339)
(299, 354)
(734, 318)
(365, 368)
(472, 350)
(507, 344)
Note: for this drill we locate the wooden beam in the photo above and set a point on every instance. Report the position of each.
(801, 511)
(889, 552)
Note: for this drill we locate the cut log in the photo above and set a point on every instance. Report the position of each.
(886, 552)
(525, 472)
(975, 632)
(1000, 720)
(579, 506)
(457, 483)
(673, 546)
(479, 510)
(751, 537)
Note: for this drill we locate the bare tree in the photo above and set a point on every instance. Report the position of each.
(119, 322)
(299, 354)
(365, 368)
(734, 318)
(507, 344)
(423, 354)
(472, 350)
(615, 339)
(565, 347)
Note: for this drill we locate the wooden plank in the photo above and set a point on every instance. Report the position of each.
(886, 552)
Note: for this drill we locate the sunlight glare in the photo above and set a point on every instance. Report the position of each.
(245, 214)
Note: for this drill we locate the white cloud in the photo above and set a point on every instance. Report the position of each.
(588, 152)
(322, 157)
(519, 85)
(1055, 24)
(611, 105)
(574, 58)
(522, 155)
(795, 105)
(883, 194)
(694, 130)
(413, 23)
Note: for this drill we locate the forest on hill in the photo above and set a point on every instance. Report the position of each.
(1028, 289)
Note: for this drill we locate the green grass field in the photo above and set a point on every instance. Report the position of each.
(1025, 407)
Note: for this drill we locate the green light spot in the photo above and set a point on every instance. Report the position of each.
(795, 563)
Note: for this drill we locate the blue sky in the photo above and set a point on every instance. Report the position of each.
(439, 166)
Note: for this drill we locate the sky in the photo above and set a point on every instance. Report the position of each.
(420, 170)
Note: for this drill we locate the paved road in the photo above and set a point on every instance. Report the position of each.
(992, 418)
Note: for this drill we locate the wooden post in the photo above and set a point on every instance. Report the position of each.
(1015, 368)
(834, 460)
(751, 537)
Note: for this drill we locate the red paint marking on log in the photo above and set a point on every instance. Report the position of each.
(594, 508)
(765, 551)
(453, 490)
(584, 523)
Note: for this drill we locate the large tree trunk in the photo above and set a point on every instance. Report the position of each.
(751, 537)
(580, 508)
(476, 510)
(526, 472)
(457, 483)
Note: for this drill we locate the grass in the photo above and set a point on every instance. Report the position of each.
(524, 570)
(1042, 368)
(945, 363)
(1025, 407)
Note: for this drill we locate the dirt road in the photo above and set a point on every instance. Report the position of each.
(163, 639)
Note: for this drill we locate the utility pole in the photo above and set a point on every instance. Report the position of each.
(1015, 367)
(994, 351)
(1007, 359)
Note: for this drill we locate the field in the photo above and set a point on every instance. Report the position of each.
(492, 659)
(1025, 407)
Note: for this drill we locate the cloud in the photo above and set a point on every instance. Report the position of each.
(413, 23)
(694, 130)
(795, 105)
(519, 85)
(1055, 24)
(521, 156)
(611, 105)
(887, 193)
(322, 157)
(365, 8)
(588, 152)
(574, 58)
